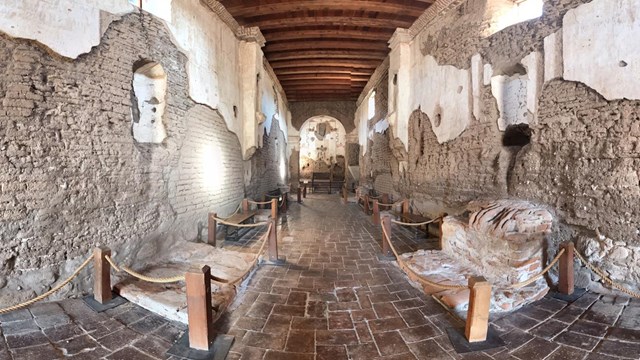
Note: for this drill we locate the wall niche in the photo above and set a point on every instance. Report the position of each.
(149, 93)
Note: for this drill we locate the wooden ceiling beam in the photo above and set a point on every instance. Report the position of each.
(243, 10)
(275, 23)
(322, 76)
(334, 54)
(325, 44)
(327, 34)
(360, 64)
(323, 70)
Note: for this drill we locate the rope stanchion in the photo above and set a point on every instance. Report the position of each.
(605, 278)
(157, 280)
(48, 293)
(415, 274)
(539, 275)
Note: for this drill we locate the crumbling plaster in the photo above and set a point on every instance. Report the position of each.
(216, 56)
(581, 157)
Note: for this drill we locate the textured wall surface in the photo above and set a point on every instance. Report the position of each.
(341, 110)
(583, 156)
(71, 175)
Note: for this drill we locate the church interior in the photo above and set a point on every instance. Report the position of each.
(319, 179)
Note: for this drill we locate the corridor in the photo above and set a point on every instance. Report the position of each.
(333, 299)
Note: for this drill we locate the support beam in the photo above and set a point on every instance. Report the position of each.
(213, 224)
(386, 224)
(273, 242)
(375, 23)
(243, 10)
(477, 325)
(200, 316)
(326, 33)
(101, 275)
(566, 281)
(376, 212)
(325, 44)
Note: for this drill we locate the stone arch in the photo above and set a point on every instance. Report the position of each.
(322, 146)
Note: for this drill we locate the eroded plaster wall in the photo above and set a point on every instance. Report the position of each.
(544, 110)
(73, 176)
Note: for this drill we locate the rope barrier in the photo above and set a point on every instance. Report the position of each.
(53, 290)
(604, 277)
(234, 213)
(259, 202)
(416, 224)
(255, 260)
(157, 280)
(221, 221)
(536, 277)
(418, 276)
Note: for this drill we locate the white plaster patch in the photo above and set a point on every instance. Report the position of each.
(150, 89)
(381, 126)
(511, 96)
(534, 65)
(600, 47)
(476, 82)
(442, 92)
(553, 56)
(68, 27)
(487, 74)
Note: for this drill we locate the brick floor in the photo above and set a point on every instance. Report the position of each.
(332, 300)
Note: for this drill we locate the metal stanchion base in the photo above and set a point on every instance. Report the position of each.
(115, 301)
(461, 345)
(382, 257)
(577, 293)
(218, 350)
(281, 260)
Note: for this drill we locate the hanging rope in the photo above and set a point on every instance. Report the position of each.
(157, 280)
(221, 221)
(234, 213)
(536, 277)
(48, 293)
(417, 275)
(259, 202)
(255, 259)
(416, 224)
(605, 278)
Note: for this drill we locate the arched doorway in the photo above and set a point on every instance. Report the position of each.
(322, 148)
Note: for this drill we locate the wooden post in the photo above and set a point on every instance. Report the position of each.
(213, 224)
(264, 198)
(273, 241)
(386, 225)
(440, 223)
(274, 208)
(245, 206)
(565, 283)
(366, 204)
(330, 182)
(405, 206)
(304, 191)
(299, 195)
(285, 201)
(376, 212)
(199, 307)
(478, 315)
(385, 198)
(101, 275)
(345, 195)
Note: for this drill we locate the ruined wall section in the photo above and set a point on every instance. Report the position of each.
(269, 164)
(72, 177)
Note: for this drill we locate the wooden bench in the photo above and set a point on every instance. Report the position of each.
(325, 181)
(232, 232)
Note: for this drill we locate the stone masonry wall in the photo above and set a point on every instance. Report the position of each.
(265, 164)
(582, 158)
(71, 175)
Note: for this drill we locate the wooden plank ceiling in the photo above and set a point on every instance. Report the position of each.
(325, 50)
